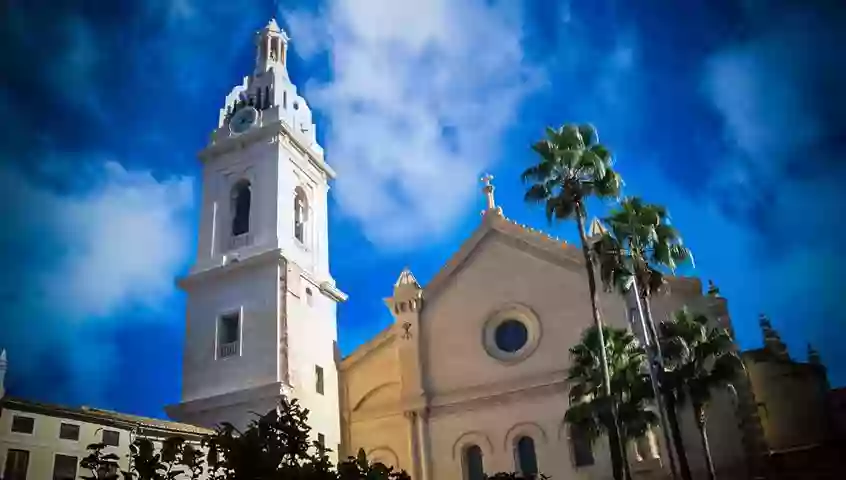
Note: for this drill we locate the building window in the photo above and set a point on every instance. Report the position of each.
(21, 424)
(318, 372)
(228, 334)
(527, 460)
(511, 335)
(69, 431)
(474, 467)
(64, 467)
(17, 463)
(300, 214)
(107, 471)
(241, 200)
(582, 448)
(111, 438)
(321, 441)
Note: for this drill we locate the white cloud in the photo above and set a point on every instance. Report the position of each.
(122, 241)
(83, 260)
(420, 94)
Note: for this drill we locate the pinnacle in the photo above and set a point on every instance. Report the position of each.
(272, 25)
(596, 228)
(406, 278)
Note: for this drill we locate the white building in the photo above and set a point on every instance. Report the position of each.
(40, 441)
(261, 302)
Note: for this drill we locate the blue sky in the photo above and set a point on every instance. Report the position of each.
(729, 112)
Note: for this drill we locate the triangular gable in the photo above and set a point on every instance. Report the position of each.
(525, 238)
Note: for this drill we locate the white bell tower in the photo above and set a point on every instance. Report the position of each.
(261, 303)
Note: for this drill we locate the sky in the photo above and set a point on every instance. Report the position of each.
(731, 113)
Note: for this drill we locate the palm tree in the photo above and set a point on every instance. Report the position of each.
(631, 391)
(640, 245)
(573, 167)
(698, 359)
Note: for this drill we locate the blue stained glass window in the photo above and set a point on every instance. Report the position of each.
(511, 335)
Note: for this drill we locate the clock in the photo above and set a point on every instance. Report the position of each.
(243, 119)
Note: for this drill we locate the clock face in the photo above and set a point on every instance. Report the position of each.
(243, 120)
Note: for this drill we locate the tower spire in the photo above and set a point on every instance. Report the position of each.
(813, 355)
(271, 47)
(772, 340)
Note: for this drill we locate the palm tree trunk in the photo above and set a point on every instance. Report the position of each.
(699, 412)
(650, 324)
(655, 366)
(627, 471)
(673, 420)
(614, 440)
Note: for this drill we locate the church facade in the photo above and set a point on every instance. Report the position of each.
(470, 379)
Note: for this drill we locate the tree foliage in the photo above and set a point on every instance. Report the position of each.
(273, 446)
(573, 167)
(630, 387)
(640, 241)
(699, 358)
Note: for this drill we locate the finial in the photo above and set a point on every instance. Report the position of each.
(596, 229)
(406, 278)
(813, 355)
(713, 291)
(272, 25)
(488, 188)
(772, 340)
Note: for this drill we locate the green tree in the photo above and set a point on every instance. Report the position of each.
(354, 468)
(274, 445)
(699, 358)
(638, 247)
(573, 167)
(630, 385)
(101, 465)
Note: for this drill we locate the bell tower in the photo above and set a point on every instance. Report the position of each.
(271, 47)
(261, 303)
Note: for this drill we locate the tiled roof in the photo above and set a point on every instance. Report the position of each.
(96, 415)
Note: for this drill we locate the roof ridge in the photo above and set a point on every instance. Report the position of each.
(537, 232)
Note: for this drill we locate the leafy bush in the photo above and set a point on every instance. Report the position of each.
(274, 446)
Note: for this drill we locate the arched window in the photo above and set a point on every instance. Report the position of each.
(582, 447)
(474, 468)
(241, 199)
(527, 460)
(300, 214)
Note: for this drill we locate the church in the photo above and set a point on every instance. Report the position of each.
(469, 379)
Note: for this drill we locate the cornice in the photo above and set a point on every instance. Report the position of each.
(262, 392)
(471, 398)
(383, 339)
(275, 131)
(333, 292)
(262, 258)
(481, 395)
